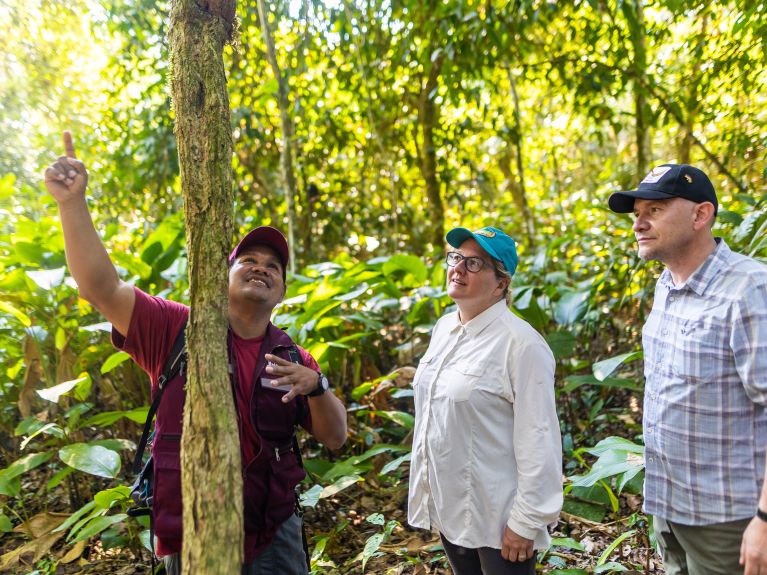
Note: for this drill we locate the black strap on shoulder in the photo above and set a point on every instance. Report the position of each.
(174, 364)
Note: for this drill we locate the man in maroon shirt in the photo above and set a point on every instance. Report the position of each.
(273, 393)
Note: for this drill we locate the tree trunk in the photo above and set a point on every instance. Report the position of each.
(427, 119)
(210, 451)
(519, 192)
(286, 125)
(692, 103)
(641, 107)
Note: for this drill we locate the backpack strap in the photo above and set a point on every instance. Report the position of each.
(174, 364)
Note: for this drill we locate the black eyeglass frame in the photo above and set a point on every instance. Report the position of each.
(458, 258)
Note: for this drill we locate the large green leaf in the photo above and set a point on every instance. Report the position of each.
(53, 394)
(605, 367)
(93, 459)
(9, 477)
(113, 361)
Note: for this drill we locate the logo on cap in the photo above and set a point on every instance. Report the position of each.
(656, 174)
(485, 233)
(688, 177)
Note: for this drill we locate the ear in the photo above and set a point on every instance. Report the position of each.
(703, 216)
(502, 283)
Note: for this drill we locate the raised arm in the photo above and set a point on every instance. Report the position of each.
(89, 263)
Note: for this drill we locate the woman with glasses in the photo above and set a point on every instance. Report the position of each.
(486, 469)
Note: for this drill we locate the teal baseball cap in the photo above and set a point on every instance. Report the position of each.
(496, 243)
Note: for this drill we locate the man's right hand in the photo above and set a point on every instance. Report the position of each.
(67, 178)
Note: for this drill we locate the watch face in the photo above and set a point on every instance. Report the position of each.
(324, 382)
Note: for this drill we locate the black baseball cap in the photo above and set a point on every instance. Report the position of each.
(665, 182)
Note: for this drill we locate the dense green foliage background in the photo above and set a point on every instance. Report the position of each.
(406, 118)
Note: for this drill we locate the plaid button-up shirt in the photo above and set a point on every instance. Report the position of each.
(705, 414)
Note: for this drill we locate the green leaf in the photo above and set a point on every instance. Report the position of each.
(5, 523)
(146, 540)
(604, 368)
(108, 497)
(99, 524)
(61, 338)
(25, 464)
(562, 343)
(49, 428)
(75, 517)
(376, 519)
(571, 307)
(567, 543)
(18, 314)
(371, 548)
(107, 418)
(340, 485)
(93, 459)
(610, 548)
(311, 497)
(53, 394)
(392, 465)
(58, 477)
(399, 417)
(113, 361)
(411, 265)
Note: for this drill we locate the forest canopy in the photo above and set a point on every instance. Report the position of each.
(403, 119)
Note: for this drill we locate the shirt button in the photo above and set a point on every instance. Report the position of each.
(649, 430)
(664, 332)
(671, 299)
(654, 396)
(652, 460)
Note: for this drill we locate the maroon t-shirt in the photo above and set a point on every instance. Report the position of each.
(153, 329)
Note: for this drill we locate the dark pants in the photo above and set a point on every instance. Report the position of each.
(700, 549)
(484, 561)
(285, 555)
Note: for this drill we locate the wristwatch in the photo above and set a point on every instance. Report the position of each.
(322, 386)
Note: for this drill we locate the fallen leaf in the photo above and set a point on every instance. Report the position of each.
(75, 552)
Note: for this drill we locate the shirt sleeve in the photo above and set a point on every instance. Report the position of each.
(537, 442)
(153, 328)
(748, 341)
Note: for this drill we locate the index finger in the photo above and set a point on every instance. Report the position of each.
(69, 146)
(277, 360)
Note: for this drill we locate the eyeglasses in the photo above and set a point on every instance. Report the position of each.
(473, 263)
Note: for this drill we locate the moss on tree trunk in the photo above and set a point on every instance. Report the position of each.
(210, 454)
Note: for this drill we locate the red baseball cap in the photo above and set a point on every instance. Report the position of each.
(267, 236)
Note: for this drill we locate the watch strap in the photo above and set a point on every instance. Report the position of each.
(761, 514)
(320, 389)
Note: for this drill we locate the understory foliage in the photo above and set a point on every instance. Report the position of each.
(524, 115)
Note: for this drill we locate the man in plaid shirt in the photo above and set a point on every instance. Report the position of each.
(705, 408)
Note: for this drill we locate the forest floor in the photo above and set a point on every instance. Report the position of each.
(405, 552)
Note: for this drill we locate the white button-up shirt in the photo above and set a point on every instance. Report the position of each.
(487, 450)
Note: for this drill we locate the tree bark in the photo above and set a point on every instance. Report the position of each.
(518, 191)
(286, 125)
(642, 126)
(210, 450)
(427, 119)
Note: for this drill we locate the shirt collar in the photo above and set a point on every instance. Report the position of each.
(480, 322)
(700, 279)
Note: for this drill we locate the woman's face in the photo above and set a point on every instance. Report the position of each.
(474, 292)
